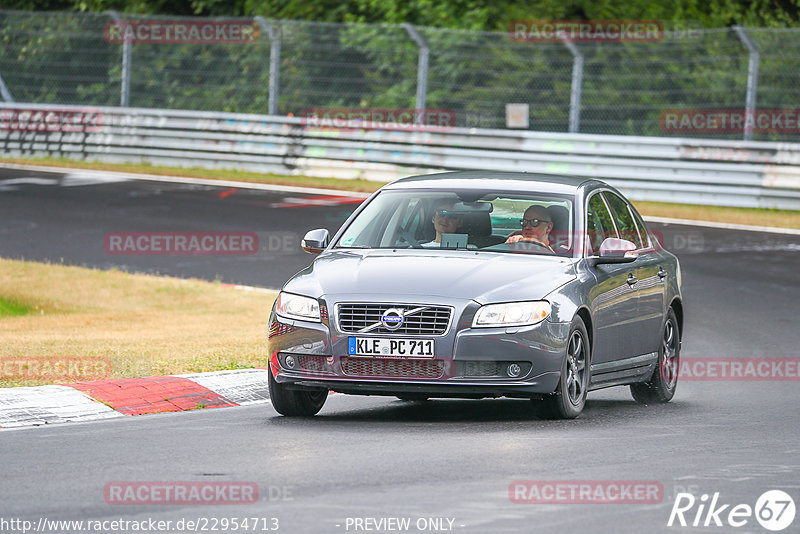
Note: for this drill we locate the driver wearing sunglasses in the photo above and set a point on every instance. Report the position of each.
(536, 227)
(444, 222)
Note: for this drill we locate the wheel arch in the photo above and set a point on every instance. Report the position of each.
(586, 317)
(677, 307)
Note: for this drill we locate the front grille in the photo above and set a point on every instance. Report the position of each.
(393, 367)
(429, 321)
(481, 368)
(315, 363)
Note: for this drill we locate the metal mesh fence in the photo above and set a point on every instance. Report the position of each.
(58, 58)
(477, 73)
(779, 67)
(622, 88)
(345, 66)
(211, 77)
(628, 86)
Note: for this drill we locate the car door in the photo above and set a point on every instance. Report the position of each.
(648, 276)
(652, 297)
(613, 298)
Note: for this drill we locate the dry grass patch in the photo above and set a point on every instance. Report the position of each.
(144, 325)
(748, 216)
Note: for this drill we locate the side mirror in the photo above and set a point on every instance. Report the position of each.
(613, 250)
(315, 241)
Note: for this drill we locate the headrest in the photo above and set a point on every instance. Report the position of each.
(477, 224)
(559, 216)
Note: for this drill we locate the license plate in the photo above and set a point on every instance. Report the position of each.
(380, 347)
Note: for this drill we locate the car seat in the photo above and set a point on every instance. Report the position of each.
(479, 227)
(559, 235)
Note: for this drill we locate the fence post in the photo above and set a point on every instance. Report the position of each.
(4, 92)
(577, 85)
(125, 89)
(274, 34)
(752, 81)
(422, 69)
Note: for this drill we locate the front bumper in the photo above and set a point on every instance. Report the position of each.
(467, 362)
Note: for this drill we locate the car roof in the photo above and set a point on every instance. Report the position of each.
(495, 180)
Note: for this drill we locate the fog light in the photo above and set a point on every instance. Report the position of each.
(513, 370)
(290, 361)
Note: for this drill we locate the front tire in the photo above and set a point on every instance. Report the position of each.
(661, 386)
(413, 397)
(295, 402)
(570, 396)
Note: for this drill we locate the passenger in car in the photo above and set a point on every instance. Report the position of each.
(536, 227)
(444, 222)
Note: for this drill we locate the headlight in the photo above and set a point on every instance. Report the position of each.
(511, 314)
(297, 307)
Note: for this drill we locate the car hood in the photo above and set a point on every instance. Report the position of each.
(483, 277)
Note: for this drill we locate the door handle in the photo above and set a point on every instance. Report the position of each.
(661, 272)
(632, 279)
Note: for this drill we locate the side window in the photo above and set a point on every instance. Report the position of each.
(642, 229)
(598, 223)
(623, 219)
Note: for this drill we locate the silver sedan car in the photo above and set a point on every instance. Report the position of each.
(481, 284)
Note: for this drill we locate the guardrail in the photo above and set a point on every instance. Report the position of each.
(731, 173)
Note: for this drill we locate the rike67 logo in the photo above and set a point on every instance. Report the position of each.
(774, 510)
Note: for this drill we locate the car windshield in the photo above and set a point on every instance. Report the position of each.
(512, 222)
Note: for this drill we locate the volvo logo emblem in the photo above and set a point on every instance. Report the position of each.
(392, 318)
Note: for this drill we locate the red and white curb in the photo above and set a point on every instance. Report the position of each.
(106, 399)
(79, 177)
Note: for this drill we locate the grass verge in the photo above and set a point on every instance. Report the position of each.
(140, 325)
(747, 216)
(13, 308)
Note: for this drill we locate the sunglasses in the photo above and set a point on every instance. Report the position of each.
(534, 223)
(445, 213)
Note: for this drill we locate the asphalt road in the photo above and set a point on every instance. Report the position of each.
(67, 219)
(372, 457)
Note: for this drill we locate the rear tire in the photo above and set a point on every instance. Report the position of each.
(295, 402)
(570, 396)
(661, 386)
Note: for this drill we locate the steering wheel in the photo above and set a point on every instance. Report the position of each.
(405, 235)
(530, 241)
